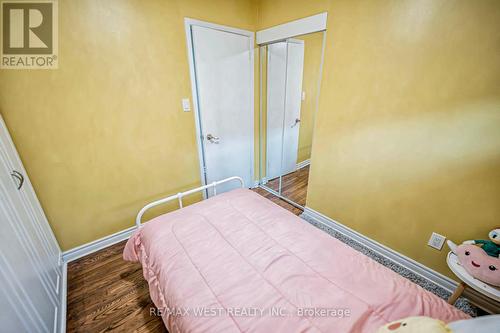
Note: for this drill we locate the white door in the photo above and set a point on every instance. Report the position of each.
(285, 68)
(276, 85)
(293, 101)
(29, 254)
(223, 70)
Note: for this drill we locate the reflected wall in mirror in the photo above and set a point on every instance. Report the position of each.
(290, 79)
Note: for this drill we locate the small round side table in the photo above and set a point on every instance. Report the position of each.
(468, 280)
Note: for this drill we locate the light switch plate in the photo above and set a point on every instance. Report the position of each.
(186, 105)
(436, 241)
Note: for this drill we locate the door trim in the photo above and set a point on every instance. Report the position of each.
(294, 28)
(188, 23)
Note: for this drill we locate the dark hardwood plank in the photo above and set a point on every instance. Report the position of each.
(278, 201)
(293, 185)
(108, 294)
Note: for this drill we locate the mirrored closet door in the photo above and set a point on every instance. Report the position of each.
(290, 81)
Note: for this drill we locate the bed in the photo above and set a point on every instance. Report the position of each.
(239, 263)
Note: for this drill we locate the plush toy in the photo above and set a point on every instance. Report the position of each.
(483, 324)
(492, 246)
(477, 263)
(415, 325)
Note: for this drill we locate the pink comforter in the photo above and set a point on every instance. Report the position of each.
(239, 263)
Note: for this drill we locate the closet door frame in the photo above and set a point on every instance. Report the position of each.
(283, 32)
(303, 26)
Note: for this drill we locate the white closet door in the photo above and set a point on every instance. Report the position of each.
(10, 318)
(276, 85)
(28, 196)
(29, 253)
(285, 67)
(294, 74)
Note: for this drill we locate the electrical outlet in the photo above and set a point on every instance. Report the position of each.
(436, 241)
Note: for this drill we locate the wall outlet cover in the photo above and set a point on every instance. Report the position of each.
(436, 241)
(186, 105)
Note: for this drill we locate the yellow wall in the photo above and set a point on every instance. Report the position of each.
(105, 133)
(407, 137)
(312, 60)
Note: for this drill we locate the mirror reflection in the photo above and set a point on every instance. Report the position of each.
(290, 79)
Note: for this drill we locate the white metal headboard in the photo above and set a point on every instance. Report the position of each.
(179, 196)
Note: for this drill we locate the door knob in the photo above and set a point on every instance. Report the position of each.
(212, 139)
(17, 175)
(297, 120)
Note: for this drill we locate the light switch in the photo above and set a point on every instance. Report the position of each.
(303, 95)
(186, 106)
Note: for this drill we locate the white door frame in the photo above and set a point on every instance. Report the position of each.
(294, 28)
(188, 23)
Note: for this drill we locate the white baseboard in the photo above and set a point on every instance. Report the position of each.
(85, 249)
(303, 164)
(263, 181)
(63, 291)
(437, 278)
(78, 252)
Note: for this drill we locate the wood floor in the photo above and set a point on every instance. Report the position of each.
(106, 293)
(293, 185)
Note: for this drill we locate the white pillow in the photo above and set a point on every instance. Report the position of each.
(483, 324)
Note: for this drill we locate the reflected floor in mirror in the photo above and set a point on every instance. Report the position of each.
(293, 186)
